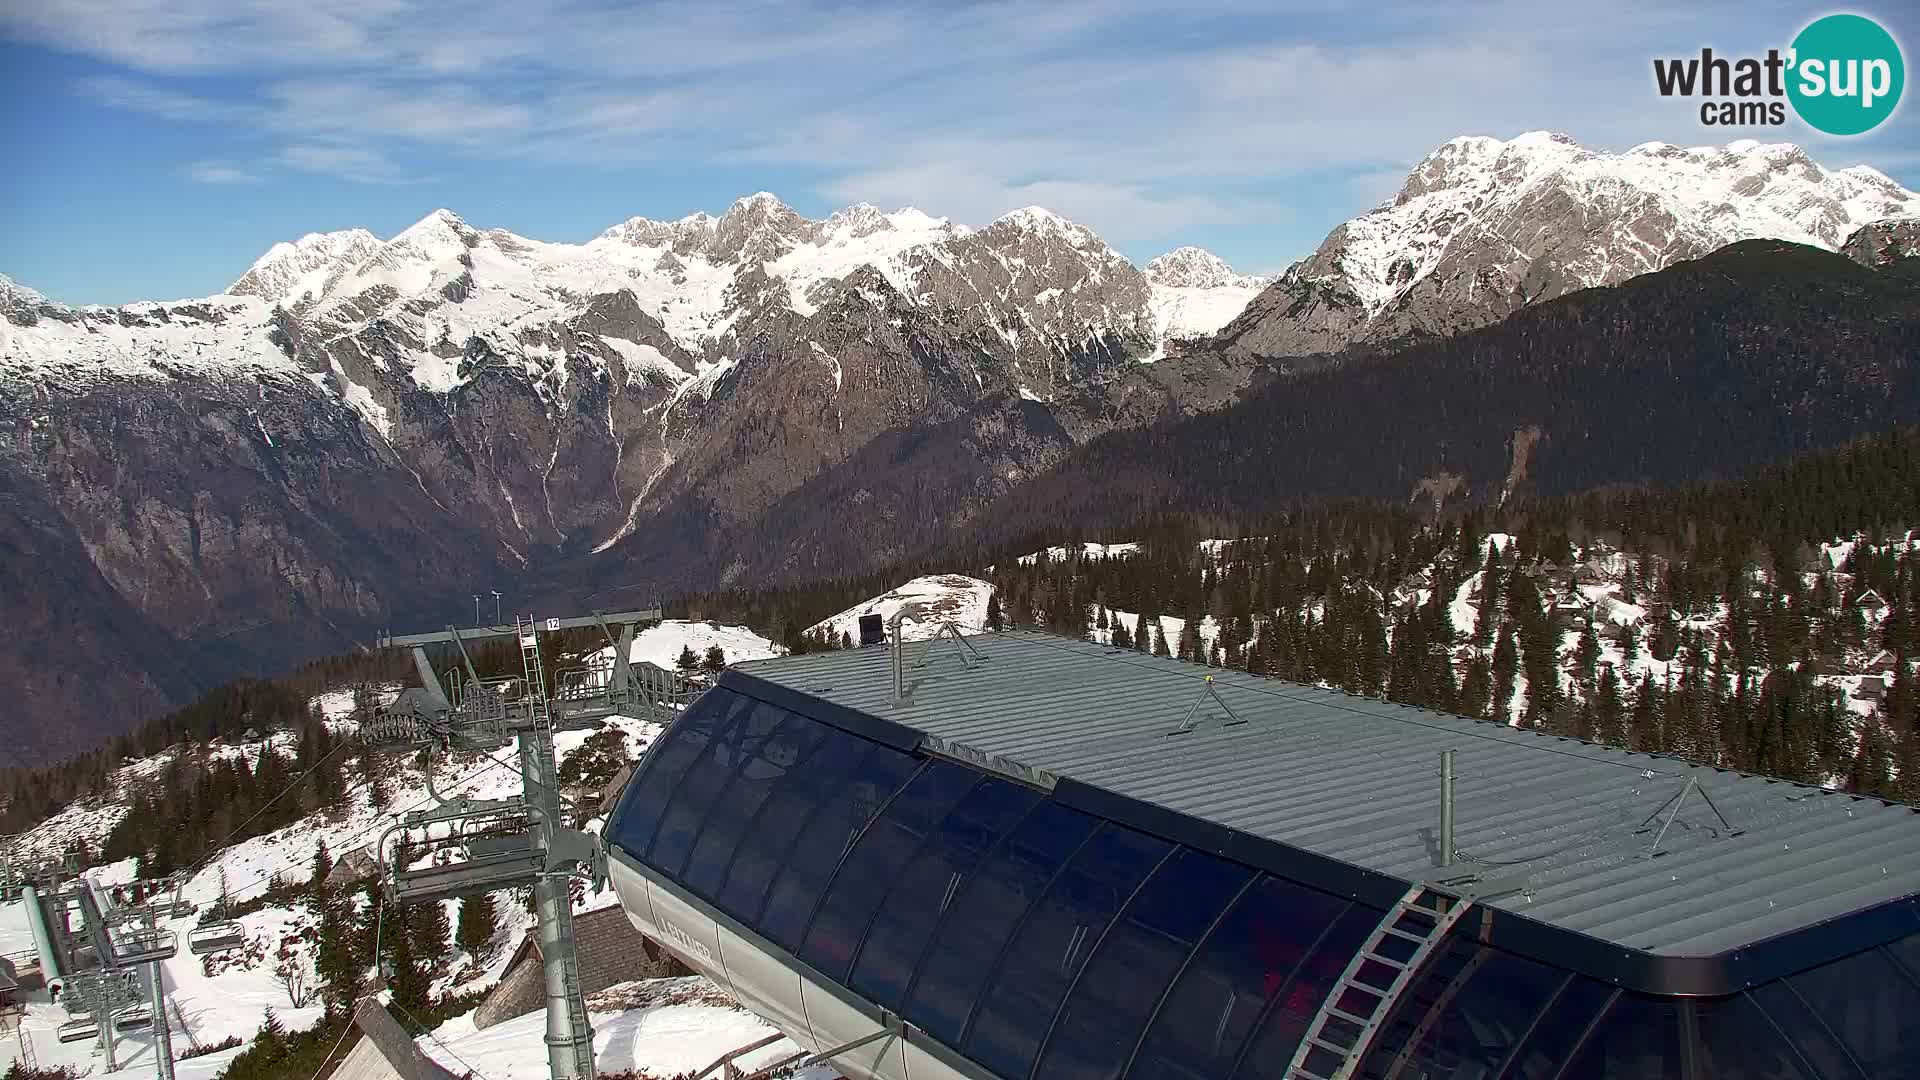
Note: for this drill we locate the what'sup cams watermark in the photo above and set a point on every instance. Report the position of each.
(1843, 75)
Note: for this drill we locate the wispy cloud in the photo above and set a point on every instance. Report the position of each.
(1135, 119)
(355, 163)
(220, 172)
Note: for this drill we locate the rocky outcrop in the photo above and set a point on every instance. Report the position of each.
(1883, 243)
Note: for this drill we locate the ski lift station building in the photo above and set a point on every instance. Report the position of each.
(1023, 856)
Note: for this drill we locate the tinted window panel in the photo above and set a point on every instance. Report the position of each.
(1907, 951)
(638, 818)
(1486, 1001)
(1804, 1031)
(764, 848)
(1640, 1036)
(1298, 1001)
(1558, 1030)
(922, 892)
(1059, 935)
(1136, 962)
(1738, 1042)
(706, 778)
(986, 912)
(1241, 966)
(1870, 1004)
(883, 851)
(844, 809)
(785, 742)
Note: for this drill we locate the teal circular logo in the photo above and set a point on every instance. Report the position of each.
(1846, 75)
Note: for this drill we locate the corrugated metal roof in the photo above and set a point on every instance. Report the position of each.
(1357, 779)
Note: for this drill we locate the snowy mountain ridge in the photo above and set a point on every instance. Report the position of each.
(1482, 227)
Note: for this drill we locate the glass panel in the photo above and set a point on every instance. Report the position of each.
(1297, 1002)
(883, 851)
(1050, 949)
(1240, 967)
(706, 778)
(1804, 1031)
(920, 895)
(1738, 1042)
(845, 808)
(784, 748)
(1907, 951)
(1115, 997)
(1554, 1036)
(1640, 1036)
(1871, 1005)
(988, 908)
(763, 850)
(635, 822)
(1486, 1000)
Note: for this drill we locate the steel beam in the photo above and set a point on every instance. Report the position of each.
(476, 633)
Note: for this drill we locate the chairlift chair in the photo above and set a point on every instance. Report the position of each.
(145, 945)
(138, 1015)
(78, 1030)
(216, 937)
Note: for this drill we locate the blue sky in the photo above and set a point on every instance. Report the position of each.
(157, 147)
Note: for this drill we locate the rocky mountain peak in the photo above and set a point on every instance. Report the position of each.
(756, 229)
(1193, 268)
(291, 273)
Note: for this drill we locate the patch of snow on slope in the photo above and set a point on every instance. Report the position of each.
(925, 603)
(636, 359)
(1090, 550)
(860, 236)
(360, 399)
(660, 645)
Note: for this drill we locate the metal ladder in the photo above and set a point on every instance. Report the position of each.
(528, 632)
(1411, 919)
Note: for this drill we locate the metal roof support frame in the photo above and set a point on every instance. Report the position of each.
(969, 655)
(1187, 722)
(1675, 803)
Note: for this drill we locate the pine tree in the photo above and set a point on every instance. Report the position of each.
(715, 661)
(1189, 640)
(478, 920)
(688, 663)
(322, 865)
(1506, 663)
(1586, 656)
(271, 1038)
(996, 618)
(427, 924)
(1609, 713)
(335, 961)
(1160, 640)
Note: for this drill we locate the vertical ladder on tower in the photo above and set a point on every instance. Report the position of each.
(1357, 1005)
(536, 693)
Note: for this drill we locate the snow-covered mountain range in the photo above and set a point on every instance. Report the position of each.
(1483, 227)
(364, 428)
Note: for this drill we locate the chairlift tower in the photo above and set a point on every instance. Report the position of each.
(481, 845)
